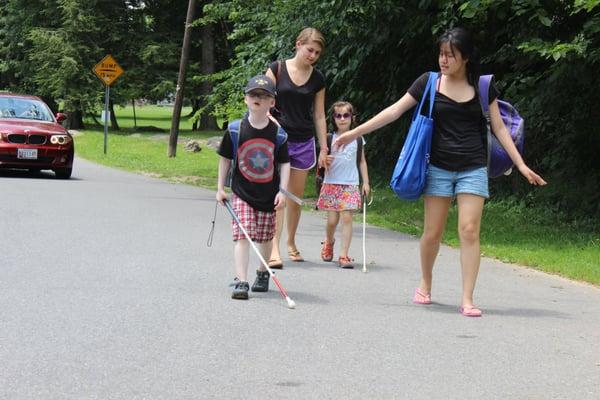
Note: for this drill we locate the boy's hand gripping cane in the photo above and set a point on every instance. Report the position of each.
(290, 302)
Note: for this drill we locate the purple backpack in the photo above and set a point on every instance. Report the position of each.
(498, 160)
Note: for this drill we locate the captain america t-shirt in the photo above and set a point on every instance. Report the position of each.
(256, 176)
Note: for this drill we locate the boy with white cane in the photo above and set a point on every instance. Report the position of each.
(258, 148)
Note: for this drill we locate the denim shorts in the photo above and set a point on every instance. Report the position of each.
(443, 183)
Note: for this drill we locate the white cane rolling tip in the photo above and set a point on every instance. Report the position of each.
(291, 303)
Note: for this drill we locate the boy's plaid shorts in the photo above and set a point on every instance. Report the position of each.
(260, 225)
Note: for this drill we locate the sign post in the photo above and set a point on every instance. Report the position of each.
(108, 71)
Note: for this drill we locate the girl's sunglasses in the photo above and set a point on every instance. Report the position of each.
(342, 116)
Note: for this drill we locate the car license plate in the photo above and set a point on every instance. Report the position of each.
(27, 154)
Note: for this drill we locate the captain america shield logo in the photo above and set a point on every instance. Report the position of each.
(256, 160)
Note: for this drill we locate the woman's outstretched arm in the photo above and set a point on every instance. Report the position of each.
(385, 117)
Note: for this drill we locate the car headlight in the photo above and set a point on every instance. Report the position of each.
(60, 139)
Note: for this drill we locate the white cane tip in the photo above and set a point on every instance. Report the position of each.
(365, 270)
(291, 303)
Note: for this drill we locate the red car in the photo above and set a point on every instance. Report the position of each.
(32, 138)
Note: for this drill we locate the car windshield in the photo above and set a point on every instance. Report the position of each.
(14, 107)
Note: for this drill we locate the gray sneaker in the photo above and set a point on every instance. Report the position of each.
(240, 291)
(261, 283)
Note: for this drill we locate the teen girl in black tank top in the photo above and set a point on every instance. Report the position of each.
(295, 103)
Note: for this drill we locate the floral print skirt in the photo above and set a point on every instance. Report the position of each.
(338, 197)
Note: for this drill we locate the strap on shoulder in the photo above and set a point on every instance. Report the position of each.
(484, 91)
(329, 142)
(278, 69)
(432, 90)
(428, 92)
(281, 136)
(234, 132)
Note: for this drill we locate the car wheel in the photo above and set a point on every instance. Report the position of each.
(64, 173)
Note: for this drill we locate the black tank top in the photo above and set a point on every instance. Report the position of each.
(295, 103)
(459, 129)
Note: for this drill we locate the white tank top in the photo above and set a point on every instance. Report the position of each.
(343, 169)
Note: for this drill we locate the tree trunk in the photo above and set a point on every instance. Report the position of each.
(113, 118)
(134, 117)
(185, 54)
(51, 103)
(196, 103)
(75, 120)
(207, 121)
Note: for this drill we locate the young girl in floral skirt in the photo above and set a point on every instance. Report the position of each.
(340, 193)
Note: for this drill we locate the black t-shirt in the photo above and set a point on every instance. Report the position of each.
(459, 129)
(295, 103)
(256, 176)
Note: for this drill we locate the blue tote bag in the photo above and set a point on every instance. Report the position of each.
(410, 173)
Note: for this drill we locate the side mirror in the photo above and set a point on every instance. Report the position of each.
(60, 117)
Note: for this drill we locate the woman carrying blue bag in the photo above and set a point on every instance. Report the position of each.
(458, 158)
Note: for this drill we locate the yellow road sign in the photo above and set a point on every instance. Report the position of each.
(108, 70)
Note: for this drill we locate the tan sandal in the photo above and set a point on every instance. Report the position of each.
(275, 263)
(295, 255)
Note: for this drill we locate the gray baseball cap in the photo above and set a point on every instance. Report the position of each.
(261, 82)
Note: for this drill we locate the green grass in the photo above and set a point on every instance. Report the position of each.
(151, 115)
(510, 232)
(145, 151)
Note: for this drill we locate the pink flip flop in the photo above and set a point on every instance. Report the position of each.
(421, 298)
(470, 311)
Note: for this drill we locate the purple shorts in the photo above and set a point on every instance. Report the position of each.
(303, 155)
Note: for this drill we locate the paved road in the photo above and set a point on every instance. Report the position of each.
(108, 291)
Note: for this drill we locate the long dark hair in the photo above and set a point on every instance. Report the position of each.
(461, 40)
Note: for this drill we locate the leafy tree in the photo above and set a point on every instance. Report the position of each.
(544, 56)
(53, 56)
(17, 18)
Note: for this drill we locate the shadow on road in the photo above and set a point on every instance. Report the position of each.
(298, 297)
(24, 174)
(510, 312)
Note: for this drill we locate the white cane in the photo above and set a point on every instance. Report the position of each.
(364, 242)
